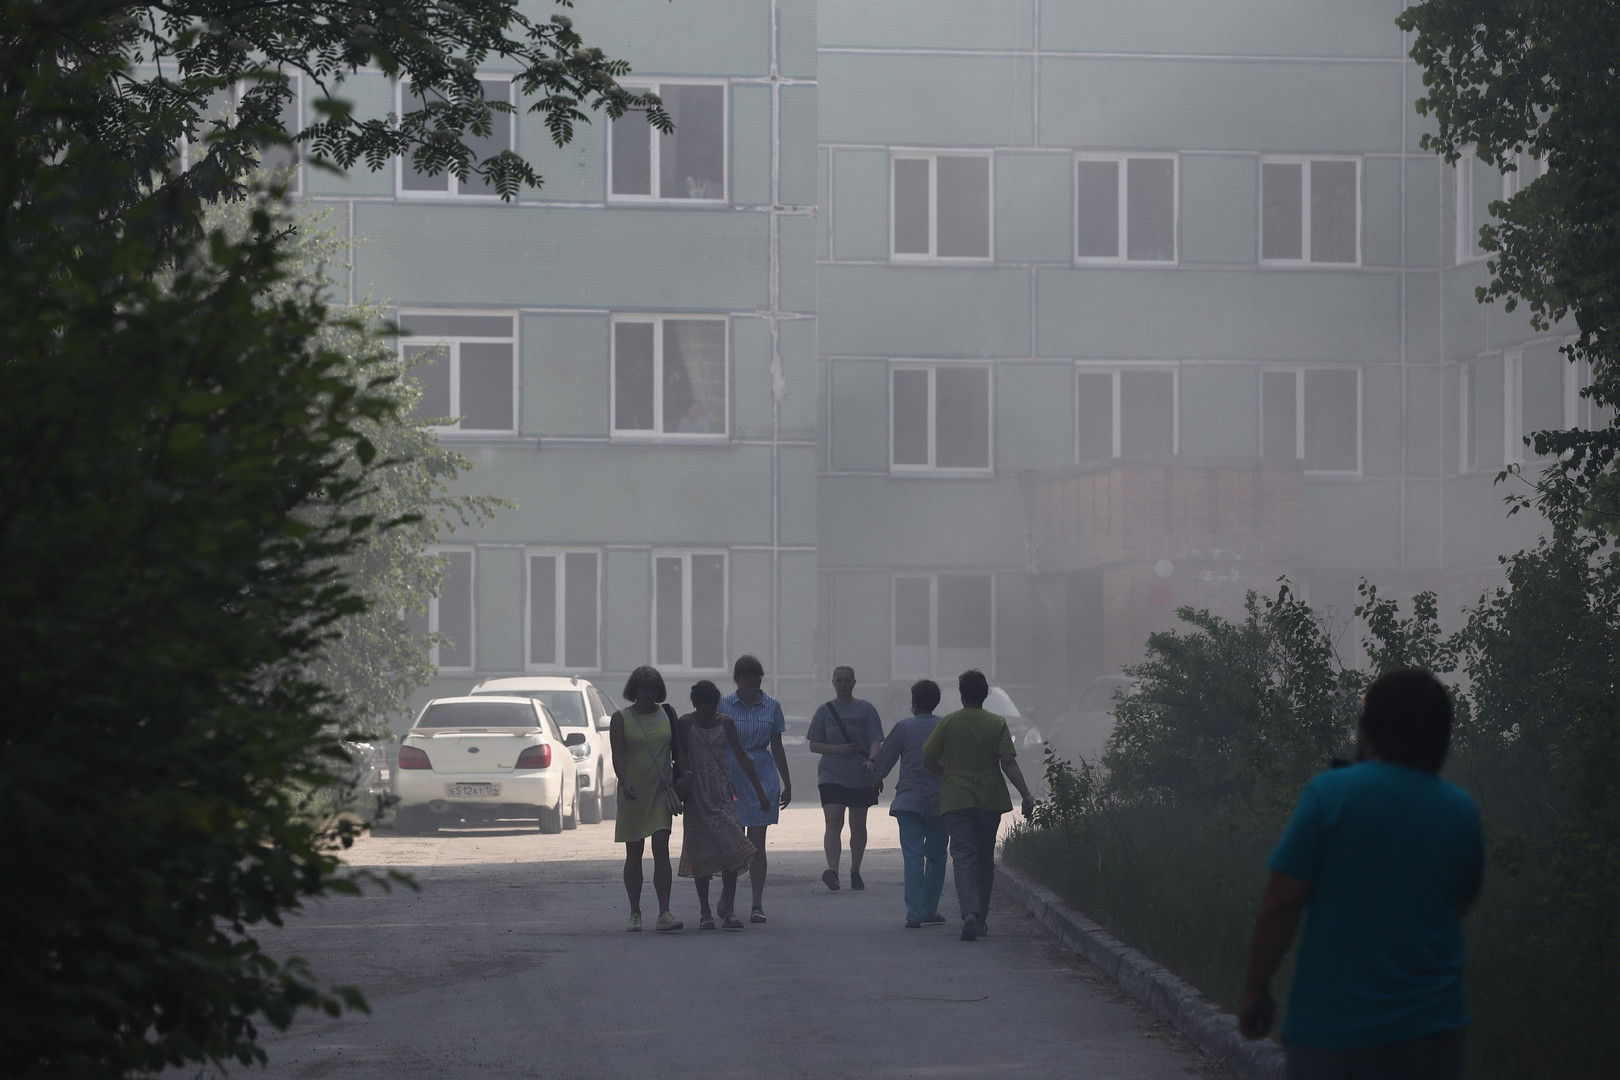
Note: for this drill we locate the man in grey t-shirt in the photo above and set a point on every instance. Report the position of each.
(847, 733)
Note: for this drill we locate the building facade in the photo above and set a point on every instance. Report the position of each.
(946, 334)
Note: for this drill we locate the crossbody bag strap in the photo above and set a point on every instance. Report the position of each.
(838, 718)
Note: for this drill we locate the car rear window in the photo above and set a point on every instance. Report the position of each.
(567, 706)
(479, 714)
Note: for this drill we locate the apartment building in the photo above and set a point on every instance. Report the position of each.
(945, 334)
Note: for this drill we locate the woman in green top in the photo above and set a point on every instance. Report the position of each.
(644, 761)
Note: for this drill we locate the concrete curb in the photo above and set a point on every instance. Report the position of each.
(1177, 1002)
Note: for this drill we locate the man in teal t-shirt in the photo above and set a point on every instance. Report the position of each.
(971, 749)
(1382, 859)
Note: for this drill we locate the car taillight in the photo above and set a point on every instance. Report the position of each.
(412, 758)
(535, 757)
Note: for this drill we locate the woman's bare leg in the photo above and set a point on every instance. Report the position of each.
(756, 865)
(632, 872)
(663, 878)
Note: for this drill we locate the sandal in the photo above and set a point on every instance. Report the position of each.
(731, 922)
(757, 915)
(707, 922)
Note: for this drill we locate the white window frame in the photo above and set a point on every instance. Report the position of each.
(1299, 371)
(401, 162)
(933, 576)
(658, 434)
(472, 609)
(1123, 210)
(642, 87)
(453, 359)
(932, 367)
(237, 89)
(685, 555)
(1528, 166)
(932, 157)
(561, 616)
(1577, 377)
(1116, 370)
(1466, 229)
(1304, 161)
(1467, 433)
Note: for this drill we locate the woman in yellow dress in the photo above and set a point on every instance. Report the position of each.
(644, 759)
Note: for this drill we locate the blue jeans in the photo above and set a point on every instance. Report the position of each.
(922, 845)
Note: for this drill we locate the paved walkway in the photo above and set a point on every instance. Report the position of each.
(512, 961)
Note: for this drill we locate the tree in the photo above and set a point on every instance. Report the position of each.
(1228, 711)
(193, 466)
(1510, 78)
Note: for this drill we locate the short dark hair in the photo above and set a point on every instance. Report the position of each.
(924, 696)
(1406, 716)
(747, 664)
(645, 674)
(973, 687)
(843, 667)
(705, 692)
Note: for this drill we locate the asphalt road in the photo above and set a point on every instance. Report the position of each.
(512, 961)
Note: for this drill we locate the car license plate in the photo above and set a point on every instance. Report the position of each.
(471, 791)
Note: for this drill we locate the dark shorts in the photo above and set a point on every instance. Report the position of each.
(1433, 1057)
(839, 795)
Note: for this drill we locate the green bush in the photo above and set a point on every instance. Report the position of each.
(1228, 720)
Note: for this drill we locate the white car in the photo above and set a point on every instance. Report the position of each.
(579, 708)
(484, 758)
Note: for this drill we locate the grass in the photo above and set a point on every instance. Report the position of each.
(1182, 885)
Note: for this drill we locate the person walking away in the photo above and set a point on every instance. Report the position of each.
(847, 733)
(759, 722)
(1382, 859)
(641, 738)
(971, 749)
(915, 806)
(713, 840)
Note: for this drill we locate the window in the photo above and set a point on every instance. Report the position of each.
(221, 110)
(466, 367)
(1310, 210)
(1579, 410)
(1312, 415)
(450, 612)
(1467, 418)
(940, 206)
(1471, 207)
(1534, 398)
(564, 610)
(939, 417)
(689, 610)
(943, 624)
(416, 184)
(1125, 209)
(1129, 412)
(688, 164)
(1527, 170)
(669, 378)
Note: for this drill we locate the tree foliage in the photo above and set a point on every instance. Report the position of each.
(205, 470)
(1507, 78)
(1233, 711)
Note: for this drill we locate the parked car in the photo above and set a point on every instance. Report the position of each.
(578, 707)
(1083, 731)
(485, 758)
